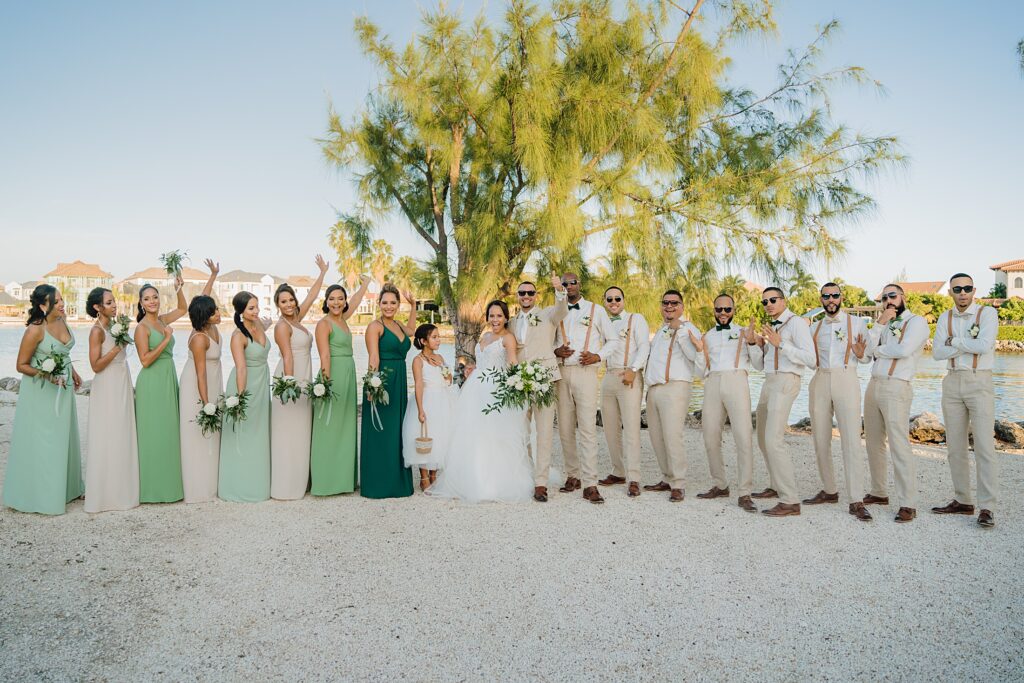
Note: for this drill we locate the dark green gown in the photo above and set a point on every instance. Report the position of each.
(382, 472)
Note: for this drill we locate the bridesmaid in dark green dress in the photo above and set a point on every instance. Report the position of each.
(383, 473)
(156, 399)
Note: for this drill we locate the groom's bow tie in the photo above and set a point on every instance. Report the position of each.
(721, 327)
(776, 322)
(616, 317)
(574, 307)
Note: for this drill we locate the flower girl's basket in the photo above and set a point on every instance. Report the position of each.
(424, 444)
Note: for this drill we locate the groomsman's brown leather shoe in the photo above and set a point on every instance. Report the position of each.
(871, 499)
(676, 496)
(954, 508)
(747, 504)
(592, 494)
(634, 489)
(860, 512)
(571, 484)
(540, 494)
(821, 497)
(783, 510)
(985, 519)
(660, 486)
(612, 480)
(714, 492)
(767, 493)
(905, 515)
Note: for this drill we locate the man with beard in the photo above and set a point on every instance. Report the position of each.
(840, 342)
(966, 339)
(727, 392)
(898, 339)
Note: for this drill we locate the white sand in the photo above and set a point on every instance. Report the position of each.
(419, 589)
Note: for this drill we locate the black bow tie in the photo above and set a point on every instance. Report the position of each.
(721, 327)
(776, 322)
(574, 307)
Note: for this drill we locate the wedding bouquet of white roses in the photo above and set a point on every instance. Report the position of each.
(523, 385)
(53, 367)
(286, 389)
(211, 417)
(320, 394)
(172, 261)
(375, 386)
(119, 330)
(235, 407)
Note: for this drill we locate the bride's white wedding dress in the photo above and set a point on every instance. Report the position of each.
(487, 458)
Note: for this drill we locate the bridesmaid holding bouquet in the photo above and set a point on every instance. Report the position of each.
(112, 470)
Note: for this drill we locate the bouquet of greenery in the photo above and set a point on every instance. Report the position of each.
(172, 261)
(320, 394)
(286, 388)
(235, 407)
(375, 385)
(523, 385)
(54, 367)
(211, 417)
(119, 330)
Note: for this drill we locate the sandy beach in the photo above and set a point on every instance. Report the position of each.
(417, 589)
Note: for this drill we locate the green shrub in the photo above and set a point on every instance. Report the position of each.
(1011, 333)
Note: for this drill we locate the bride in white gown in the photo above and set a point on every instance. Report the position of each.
(487, 458)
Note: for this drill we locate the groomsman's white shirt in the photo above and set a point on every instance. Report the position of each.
(521, 323)
(832, 340)
(797, 350)
(639, 342)
(905, 352)
(960, 353)
(602, 335)
(721, 346)
(684, 355)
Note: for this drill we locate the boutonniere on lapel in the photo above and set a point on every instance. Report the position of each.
(733, 335)
(974, 331)
(895, 329)
(532, 319)
(446, 373)
(666, 332)
(622, 333)
(840, 334)
(585, 321)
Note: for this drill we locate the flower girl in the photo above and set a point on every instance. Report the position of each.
(435, 400)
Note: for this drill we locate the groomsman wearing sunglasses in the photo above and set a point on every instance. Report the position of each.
(727, 392)
(966, 339)
(535, 336)
(583, 339)
(622, 390)
(787, 349)
(898, 340)
(840, 343)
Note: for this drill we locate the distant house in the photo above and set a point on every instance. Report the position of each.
(302, 284)
(1011, 274)
(21, 290)
(918, 288)
(75, 280)
(261, 285)
(10, 306)
(164, 282)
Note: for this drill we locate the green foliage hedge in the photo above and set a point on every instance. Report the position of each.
(1011, 333)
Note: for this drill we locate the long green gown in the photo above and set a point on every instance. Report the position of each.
(382, 471)
(333, 463)
(245, 446)
(44, 466)
(156, 419)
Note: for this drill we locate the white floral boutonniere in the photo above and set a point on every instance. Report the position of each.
(733, 335)
(532, 319)
(840, 334)
(974, 331)
(585, 321)
(622, 333)
(666, 332)
(446, 373)
(894, 328)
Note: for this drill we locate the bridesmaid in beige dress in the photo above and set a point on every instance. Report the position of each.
(112, 468)
(291, 424)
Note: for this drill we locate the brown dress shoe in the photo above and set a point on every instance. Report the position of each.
(571, 484)
(954, 508)
(822, 497)
(714, 492)
(612, 480)
(905, 515)
(634, 489)
(871, 499)
(591, 493)
(676, 496)
(747, 504)
(860, 512)
(985, 519)
(540, 494)
(660, 486)
(783, 510)
(767, 493)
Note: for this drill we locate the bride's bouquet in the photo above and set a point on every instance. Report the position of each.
(523, 385)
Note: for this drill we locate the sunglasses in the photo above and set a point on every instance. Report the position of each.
(566, 283)
(966, 289)
(826, 297)
(890, 295)
(616, 299)
(525, 292)
(770, 300)
(671, 304)
(723, 309)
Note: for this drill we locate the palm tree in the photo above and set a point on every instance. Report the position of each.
(802, 282)
(349, 238)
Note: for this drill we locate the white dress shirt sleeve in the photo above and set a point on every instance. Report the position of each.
(800, 349)
(914, 338)
(986, 341)
(939, 349)
(604, 328)
(642, 341)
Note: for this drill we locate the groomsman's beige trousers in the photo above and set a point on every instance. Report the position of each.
(666, 419)
(968, 400)
(620, 415)
(543, 421)
(778, 393)
(727, 392)
(837, 391)
(887, 417)
(577, 413)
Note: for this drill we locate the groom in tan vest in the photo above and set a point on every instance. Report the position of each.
(535, 337)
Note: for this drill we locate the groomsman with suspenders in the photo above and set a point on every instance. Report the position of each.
(669, 379)
(840, 343)
(622, 391)
(583, 339)
(727, 392)
(535, 336)
(966, 339)
(898, 340)
(787, 349)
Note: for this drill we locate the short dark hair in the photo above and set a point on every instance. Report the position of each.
(673, 291)
(894, 286)
(615, 287)
(528, 282)
(961, 275)
(723, 295)
(773, 289)
(829, 284)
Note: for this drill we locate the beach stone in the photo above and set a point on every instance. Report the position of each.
(693, 421)
(10, 384)
(803, 425)
(1010, 433)
(927, 428)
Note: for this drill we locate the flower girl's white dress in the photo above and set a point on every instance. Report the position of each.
(439, 405)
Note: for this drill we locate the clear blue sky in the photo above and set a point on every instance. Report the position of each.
(127, 129)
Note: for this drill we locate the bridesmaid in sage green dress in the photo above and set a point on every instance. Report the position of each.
(382, 470)
(245, 445)
(333, 461)
(44, 466)
(156, 398)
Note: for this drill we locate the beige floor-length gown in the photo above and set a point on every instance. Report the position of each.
(291, 425)
(200, 455)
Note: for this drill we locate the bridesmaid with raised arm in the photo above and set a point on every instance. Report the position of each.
(44, 465)
(245, 444)
(333, 461)
(112, 468)
(291, 424)
(382, 470)
(156, 398)
(201, 382)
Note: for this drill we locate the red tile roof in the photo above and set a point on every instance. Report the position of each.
(78, 269)
(1017, 264)
(158, 273)
(918, 288)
